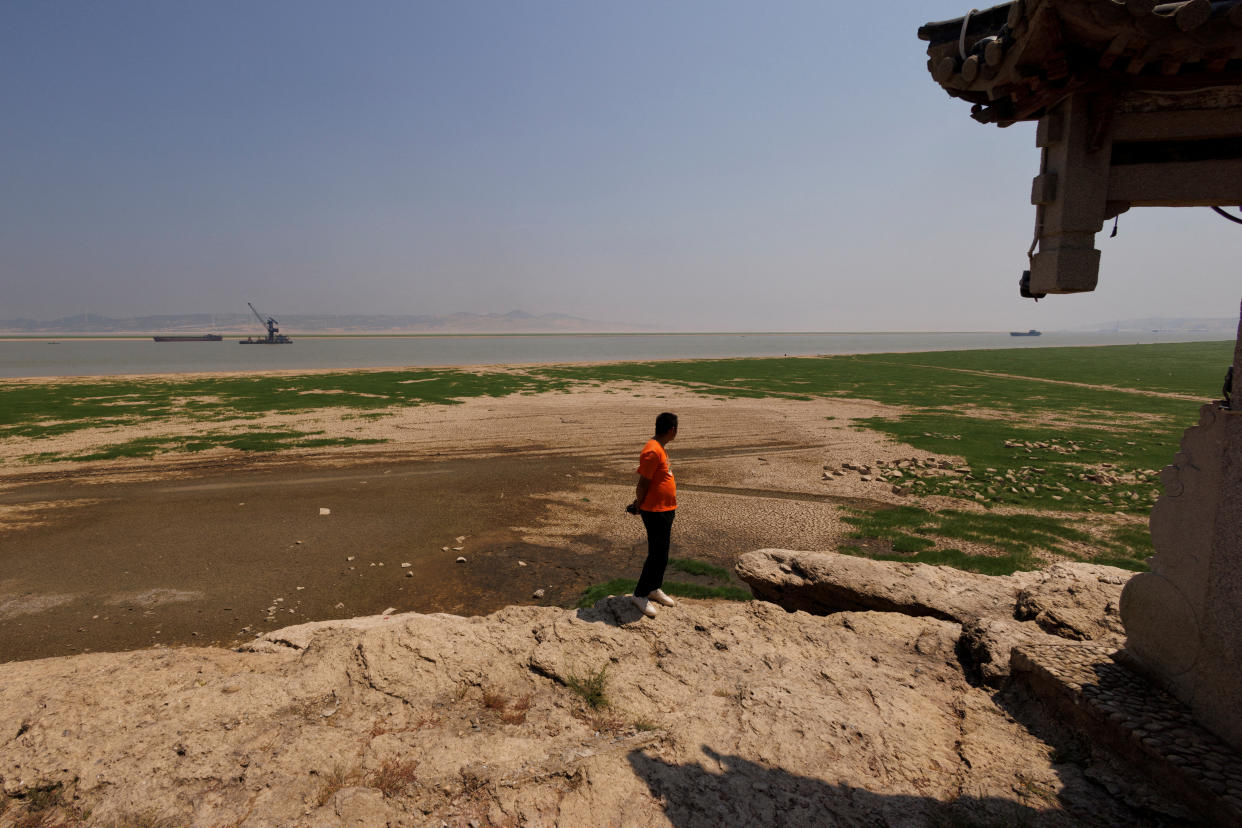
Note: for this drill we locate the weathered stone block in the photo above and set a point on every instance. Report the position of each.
(1183, 618)
(1065, 270)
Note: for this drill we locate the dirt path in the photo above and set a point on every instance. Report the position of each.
(1170, 395)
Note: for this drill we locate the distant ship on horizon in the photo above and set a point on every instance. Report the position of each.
(189, 338)
(1031, 332)
(274, 336)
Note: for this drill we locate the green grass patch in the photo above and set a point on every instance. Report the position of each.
(963, 403)
(592, 688)
(700, 568)
(51, 409)
(935, 379)
(1129, 548)
(915, 534)
(624, 586)
(1039, 467)
(1194, 368)
(983, 564)
(250, 441)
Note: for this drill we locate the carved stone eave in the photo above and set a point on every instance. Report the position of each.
(1017, 60)
(1139, 104)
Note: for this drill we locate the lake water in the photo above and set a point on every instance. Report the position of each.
(101, 357)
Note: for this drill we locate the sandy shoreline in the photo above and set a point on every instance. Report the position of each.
(167, 376)
(491, 367)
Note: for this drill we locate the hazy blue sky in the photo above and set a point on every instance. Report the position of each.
(703, 165)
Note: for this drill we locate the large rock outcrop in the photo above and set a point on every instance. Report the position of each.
(713, 713)
(1075, 601)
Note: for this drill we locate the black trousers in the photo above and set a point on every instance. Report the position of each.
(659, 533)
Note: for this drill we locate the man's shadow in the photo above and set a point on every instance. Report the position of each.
(730, 790)
(615, 611)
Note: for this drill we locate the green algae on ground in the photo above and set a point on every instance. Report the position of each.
(1070, 429)
(55, 408)
(916, 535)
(273, 440)
(699, 568)
(625, 586)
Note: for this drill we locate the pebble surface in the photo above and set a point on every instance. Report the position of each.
(1086, 679)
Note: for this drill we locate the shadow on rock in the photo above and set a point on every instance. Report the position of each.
(1089, 760)
(730, 790)
(615, 611)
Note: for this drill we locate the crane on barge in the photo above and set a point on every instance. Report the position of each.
(274, 336)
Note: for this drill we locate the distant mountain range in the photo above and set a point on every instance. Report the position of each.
(1169, 324)
(513, 322)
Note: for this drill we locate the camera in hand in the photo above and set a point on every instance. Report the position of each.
(632, 508)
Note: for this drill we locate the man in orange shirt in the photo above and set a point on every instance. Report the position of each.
(655, 499)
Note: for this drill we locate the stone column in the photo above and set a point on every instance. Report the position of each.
(1071, 192)
(1184, 618)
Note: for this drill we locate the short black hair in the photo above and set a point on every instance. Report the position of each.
(665, 423)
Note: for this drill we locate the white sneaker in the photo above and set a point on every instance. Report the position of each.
(644, 606)
(659, 597)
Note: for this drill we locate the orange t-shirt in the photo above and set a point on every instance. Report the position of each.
(653, 465)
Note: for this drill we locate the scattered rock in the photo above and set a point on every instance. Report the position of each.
(461, 559)
(826, 582)
(324, 511)
(406, 565)
(987, 643)
(521, 563)
(1075, 601)
(539, 593)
